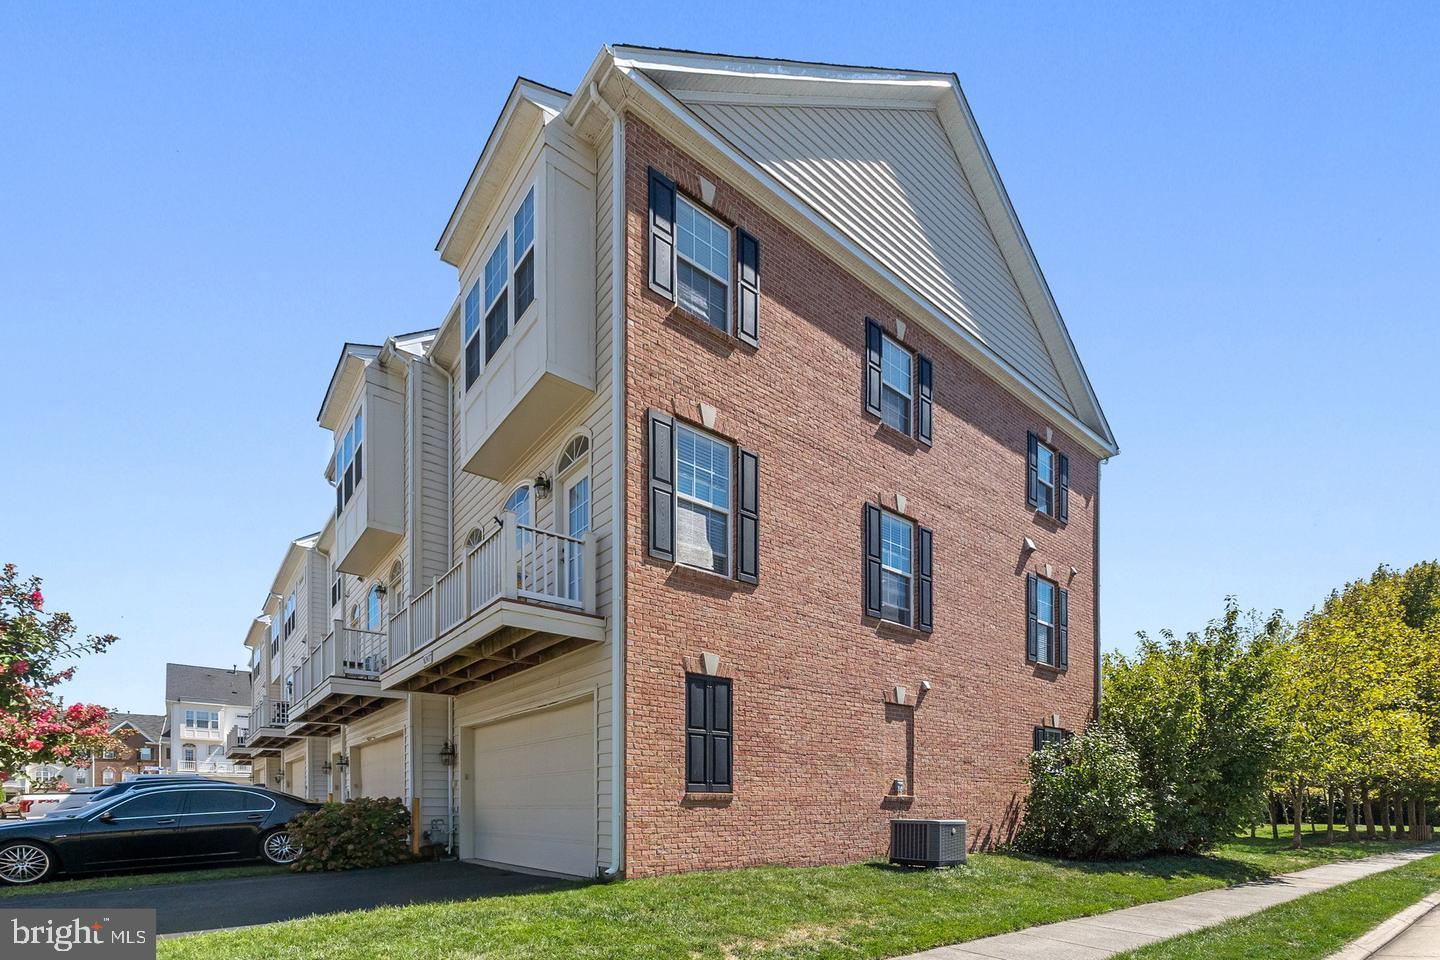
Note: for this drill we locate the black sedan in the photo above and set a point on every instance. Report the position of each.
(175, 823)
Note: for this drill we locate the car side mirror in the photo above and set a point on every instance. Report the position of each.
(106, 817)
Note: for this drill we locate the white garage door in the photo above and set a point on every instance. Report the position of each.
(382, 769)
(535, 790)
(295, 777)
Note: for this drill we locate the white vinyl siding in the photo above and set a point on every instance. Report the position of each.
(888, 178)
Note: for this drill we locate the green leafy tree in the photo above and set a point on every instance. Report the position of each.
(35, 725)
(1196, 710)
(1087, 801)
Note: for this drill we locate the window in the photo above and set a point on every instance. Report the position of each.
(108, 776)
(289, 615)
(349, 462)
(474, 538)
(497, 305)
(372, 608)
(146, 753)
(187, 754)
(107, 754)
(895, 389)
(525, 255)
(472, 335)
(337, 590)
(152, 803)
(702, 500)
(573, 470)
(896, 566)
(1050, 736)
(1048, 629)
(202, 719)
(519, 504)
(274, 639)
(702, 244)
(1048, 489)
(708, 734)
(395, 592)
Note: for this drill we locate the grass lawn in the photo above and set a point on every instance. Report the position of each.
(130, 881)
(860, 911)
(1310, 928)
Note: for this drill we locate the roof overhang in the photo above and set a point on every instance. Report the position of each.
(348, 375)
(649, 76)
(290, 564)
(528, 108)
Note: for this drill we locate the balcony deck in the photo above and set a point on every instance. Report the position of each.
(520, 597)
(266, 735)
(235, 741)
(339, 681)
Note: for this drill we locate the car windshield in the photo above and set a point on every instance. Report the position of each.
(77, 799)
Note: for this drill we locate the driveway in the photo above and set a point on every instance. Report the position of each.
(199, 904)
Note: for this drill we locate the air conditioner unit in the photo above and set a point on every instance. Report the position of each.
(927, 843)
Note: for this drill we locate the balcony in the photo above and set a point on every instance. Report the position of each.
(222, 768)
(519, 598)
(235, 740)
(201, 733)
(339, 681)
(267, 727)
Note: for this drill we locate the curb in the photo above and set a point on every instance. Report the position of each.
(1377, 939)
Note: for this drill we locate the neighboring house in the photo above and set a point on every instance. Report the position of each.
(139, 735)
(745, 497)
(49, 777)
(201, 703)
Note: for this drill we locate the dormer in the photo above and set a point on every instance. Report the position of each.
(364, 409)
(520, 337)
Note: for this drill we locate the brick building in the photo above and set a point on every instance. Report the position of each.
(745, 497)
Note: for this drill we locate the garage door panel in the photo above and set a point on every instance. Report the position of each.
(534, 801)
(382, 768)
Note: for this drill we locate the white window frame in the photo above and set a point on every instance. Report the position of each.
(1047, 504)
(347, 452)
(1045, 653)
(681, 199)
(680, 497)
(518, 256)
(572, 468)
(888, 343)
(886, 568)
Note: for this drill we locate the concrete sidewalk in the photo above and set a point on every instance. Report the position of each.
(1106, 934)
(1412, 934)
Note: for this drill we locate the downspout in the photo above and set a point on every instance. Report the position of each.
(1095, 579)
(617, 497)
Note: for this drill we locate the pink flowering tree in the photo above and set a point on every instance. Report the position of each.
(35, 724)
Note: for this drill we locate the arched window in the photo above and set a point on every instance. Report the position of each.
(519, 504)
(473, 538)
(575, 451)
(372, 608)
(572, 472)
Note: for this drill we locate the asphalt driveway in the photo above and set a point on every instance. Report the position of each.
(200, 904)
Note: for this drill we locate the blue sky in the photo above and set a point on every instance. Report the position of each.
(1234, 206)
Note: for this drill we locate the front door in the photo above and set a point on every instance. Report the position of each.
(577, 523)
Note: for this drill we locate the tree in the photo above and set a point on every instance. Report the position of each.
(1195, 710)
(35, 725)
(1086, 800)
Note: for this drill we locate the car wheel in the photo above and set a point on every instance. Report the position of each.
(279, 847)
(24, 863)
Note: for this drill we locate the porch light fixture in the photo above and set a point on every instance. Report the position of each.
(343, 761)
(542, 485)
(279, 777)
(447, 753)
(325, 768)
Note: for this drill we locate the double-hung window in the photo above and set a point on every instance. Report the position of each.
(473, 363)
(497, 300)
(702, 500)
(350, 462)
(702, 244)
(274, 639)
(896, 392)
(1048, 482)
(525, 255)
(1048, 617)
(289, 615)
(202, 720)
(896, 567)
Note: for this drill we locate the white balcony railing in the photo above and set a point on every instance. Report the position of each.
(228, 767)
(201, 733)
(516, 561)
(269, 712)
(345, 652)
(237, 736)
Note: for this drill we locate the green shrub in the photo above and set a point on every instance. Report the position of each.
(359, 833)
(1087, 801)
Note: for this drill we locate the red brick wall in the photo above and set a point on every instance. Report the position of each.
(816, 746)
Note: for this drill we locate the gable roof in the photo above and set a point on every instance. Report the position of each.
(149, 725)
(888, 166)
(206, 684)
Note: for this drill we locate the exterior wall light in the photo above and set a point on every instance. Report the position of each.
(447, 753)
(343, 761)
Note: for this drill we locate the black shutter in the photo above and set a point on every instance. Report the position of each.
(925, 607)
(1032, 472)
(872, 561)
(924, 399)
(1039, 738)
(747, 567)
(662, 234)
(1032, 645)
(1062, 493)
(748, 328)
(873, 340)
(1062, 628)
(708, 735)
(662, 486)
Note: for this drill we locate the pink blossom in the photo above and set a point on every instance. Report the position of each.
(19, 667)
(37, 598)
